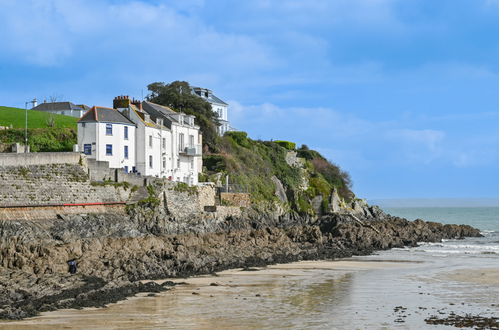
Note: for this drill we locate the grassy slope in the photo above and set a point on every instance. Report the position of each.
(40, 136)
(36, 119)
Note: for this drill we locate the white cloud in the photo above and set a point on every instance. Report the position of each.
(51, 32)
(430, 139)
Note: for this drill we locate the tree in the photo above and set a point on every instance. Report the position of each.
(178, 96)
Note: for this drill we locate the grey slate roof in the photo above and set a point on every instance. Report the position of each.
(213, 99)
(104, 115)
(155, 110)
(59, 106)
(210, 98)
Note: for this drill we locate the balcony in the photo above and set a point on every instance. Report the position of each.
(194, 150)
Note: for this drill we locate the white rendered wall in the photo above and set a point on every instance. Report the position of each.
(95, 134)
(186, 168)
(71, 113)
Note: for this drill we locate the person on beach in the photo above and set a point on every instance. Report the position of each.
(72, 266)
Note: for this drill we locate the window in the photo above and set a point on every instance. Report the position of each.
(150, 141)
(178, 162)
(109, 149)
(192, 164)
(109, 129)
(191, 141)
(164, 143)
(126, 152)
(181, 141)
(126, 132)
(164, 162)
(150, 161)
(82, 124)
(87, 149)
(126, 169)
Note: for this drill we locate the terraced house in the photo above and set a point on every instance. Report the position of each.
(166, 143)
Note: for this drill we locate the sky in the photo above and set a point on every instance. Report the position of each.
(402, 94)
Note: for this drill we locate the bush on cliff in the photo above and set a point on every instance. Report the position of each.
(286, 144)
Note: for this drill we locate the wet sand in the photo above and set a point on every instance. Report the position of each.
(230, 290)
(484, 276)
(358, 293)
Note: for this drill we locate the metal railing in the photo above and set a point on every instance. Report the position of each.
(233, 188)
(193, 150)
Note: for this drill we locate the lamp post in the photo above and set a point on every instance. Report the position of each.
(26, 127)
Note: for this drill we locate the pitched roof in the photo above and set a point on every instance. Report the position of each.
(141, 115)
(59, 106)
(155, 110)
(104, 115)
(83, 106)
(213, 99)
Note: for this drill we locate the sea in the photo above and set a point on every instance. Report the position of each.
(394, 289)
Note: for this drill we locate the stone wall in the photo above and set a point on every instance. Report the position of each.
(54, 185)
(235, 199)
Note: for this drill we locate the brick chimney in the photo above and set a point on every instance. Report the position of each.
(137, 103)
(121, 102)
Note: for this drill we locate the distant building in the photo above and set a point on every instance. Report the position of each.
(106, 135)
(62, 108)
(217, 105)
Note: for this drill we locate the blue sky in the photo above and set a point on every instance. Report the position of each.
(403, 94)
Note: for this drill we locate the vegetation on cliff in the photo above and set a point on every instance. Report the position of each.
(251, 165)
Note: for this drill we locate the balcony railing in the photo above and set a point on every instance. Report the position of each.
(194, 150)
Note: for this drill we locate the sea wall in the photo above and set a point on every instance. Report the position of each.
(53, 184)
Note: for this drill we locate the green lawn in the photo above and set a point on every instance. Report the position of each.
(36, 119)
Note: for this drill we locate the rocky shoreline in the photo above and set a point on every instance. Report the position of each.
(116, 252)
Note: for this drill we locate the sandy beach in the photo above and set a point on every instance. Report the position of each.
(357, 293)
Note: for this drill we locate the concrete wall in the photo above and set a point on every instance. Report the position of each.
(40, 158)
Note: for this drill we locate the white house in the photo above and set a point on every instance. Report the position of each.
(62, 108)
(153, 139)
(185, 160)
(217, 105)
(106, 135)
(166, 143)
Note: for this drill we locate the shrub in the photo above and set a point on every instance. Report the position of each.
(286, 144)
(241, 138)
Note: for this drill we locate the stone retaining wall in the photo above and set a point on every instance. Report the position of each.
(53, 184)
